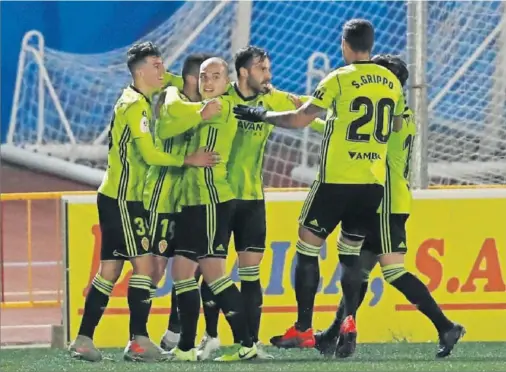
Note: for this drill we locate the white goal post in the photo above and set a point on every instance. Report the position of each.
(455, 51)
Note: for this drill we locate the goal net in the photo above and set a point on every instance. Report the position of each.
(63, 102)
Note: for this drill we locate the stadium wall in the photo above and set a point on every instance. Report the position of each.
(457, 246)
(73, 27)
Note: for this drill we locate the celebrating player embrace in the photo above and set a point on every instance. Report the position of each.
(386, 243)
(361, 101)
(124, 229)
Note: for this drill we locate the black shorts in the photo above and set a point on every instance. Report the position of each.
(124, 229)
(204, 230)
(249, 226)
(161, 233)
(354, 206)
(388, 234)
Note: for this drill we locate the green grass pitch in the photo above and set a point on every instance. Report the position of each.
(469, 356)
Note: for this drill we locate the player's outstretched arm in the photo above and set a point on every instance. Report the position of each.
(138, 123)
(173, 80)
(299, 118)
(177, 116)
(279, 100)
(328, 90)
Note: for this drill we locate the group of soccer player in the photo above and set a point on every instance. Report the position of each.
(183, 194)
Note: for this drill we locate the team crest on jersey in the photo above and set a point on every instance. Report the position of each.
(162, 246)
(144, 124)
(145, 243)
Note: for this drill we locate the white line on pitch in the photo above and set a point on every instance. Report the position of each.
(25, 346)
(34, 293)
(25, 326)
(34, 264)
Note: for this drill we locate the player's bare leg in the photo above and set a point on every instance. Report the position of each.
(96, 302)
(327, 340)
(251, 290)
(394, 273)
(230, 301)
(307, 277)
(140, 293)
(188, 303)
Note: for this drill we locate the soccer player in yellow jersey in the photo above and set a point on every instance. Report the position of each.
(203, 229)
(245, 173)
(162, 192)
(120, 208)
(386, 242)
(362, 101)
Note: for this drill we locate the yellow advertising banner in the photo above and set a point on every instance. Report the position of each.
(456, 246)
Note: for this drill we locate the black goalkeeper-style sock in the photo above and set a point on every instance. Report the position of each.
(174, 323)
(307, 278)
(211, 310)
(94, 307)
(351, 275)
(252, 295)
(416, 293)
(333, 330)
(188, 299)
(230, 301)
(139, 303)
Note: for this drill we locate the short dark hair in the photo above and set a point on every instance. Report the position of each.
(359, 34)
(393, 63)
(245, 56)
(191, 64)
(138, 53)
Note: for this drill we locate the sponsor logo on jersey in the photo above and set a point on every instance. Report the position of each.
(249, 126)
(364, 155)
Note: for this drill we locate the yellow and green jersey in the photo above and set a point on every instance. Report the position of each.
(202, 186)
(399, 147)
(246, 160)
(163, 188)
(361, 100)
(397, 190)
(170, 79)
(131, 148)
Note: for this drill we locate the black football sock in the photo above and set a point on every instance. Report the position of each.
(94, 307)
(333, 330)
(211, 310)
(139, 303)
(230, 301)
(188, 299)
(252, 295)
(351, 275)
(416, 293)
(174, 323)
(307, 278)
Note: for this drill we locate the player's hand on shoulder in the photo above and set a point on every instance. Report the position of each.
(295, 100)
(202, 158)
(250, 113)
(211, 109)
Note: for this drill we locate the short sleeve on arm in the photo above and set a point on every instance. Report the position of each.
(400, 107)
(277, 100)
(328, 90)
(137, 120)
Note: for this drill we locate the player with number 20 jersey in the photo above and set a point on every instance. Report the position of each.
(361, 101)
